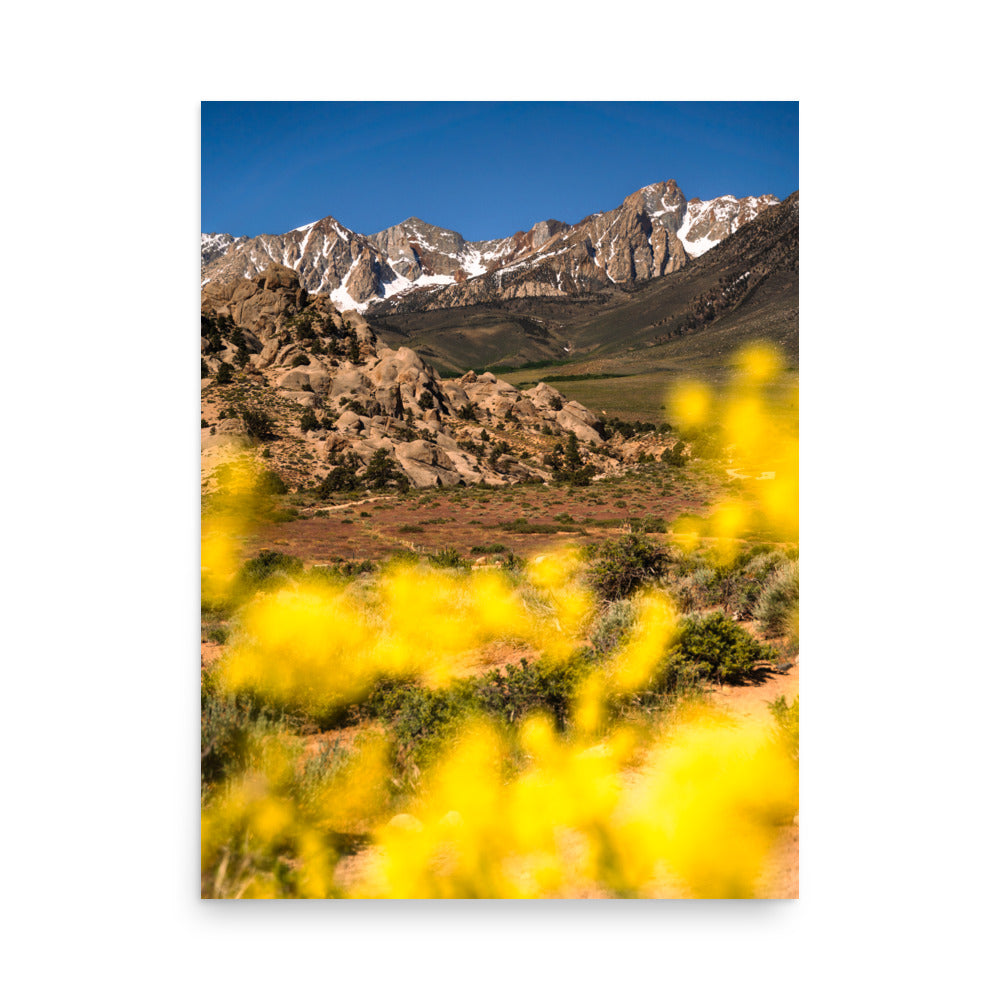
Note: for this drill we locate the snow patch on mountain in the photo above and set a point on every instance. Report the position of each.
(631, 242)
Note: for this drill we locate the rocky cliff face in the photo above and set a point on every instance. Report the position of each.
(414, 264)
(293, 354)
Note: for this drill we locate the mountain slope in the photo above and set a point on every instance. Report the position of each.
(743, 288)
(415, 265)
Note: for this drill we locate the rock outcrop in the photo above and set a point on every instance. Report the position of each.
(334, 390)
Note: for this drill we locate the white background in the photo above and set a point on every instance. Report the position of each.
(898, 364)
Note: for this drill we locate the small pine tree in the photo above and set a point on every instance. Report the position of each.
(573, 457)
(569, 465)
(381, 469)
(257, 424)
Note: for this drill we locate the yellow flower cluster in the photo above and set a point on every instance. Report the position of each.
(694, 814)
(759, 432)
(320, 644)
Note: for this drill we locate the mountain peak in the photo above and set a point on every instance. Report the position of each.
(654, 232)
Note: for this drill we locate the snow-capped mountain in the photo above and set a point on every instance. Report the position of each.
(655, 231)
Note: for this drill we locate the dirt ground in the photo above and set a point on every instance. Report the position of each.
(523, 519)
(375, 527)
(779, 876)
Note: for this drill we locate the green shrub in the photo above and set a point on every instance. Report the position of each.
(486, 550)
(675, 456)
(568, 464)
(694, 590)
(271, 484)
(224, 374)
(264, 567)
(777, 609)
(232, 730)
(257, 424)
(341, 478)
(343, 570)
(786, 718)
(500, 448)
(623, 565)
(449, 558)
(740, 588)
(548, 686)
(309, 422)
(299, 361)
(217, 634)
(705, 443)
(420, 719)
(522, 526)
(212, 329)
(383, 471)
(715, 647)
(613, 625)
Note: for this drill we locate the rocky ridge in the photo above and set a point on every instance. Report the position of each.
(414, 264)
(335, 395)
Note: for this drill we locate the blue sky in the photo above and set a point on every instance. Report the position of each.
(484, 169)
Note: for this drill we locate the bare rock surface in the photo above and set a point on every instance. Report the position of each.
(332, 390)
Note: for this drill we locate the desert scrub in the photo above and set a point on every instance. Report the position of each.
(275, 829)
(522, 526)
(547, 685)
(621, 566)
(423, 720)
(778, 606)
(448, 558)
(420, 719)
(233, 728)
(786, 719)
(743, 586)
(716, 648)
(695, 590)
(612, 627)
(265, 569)
(214, 633)
(271, 484)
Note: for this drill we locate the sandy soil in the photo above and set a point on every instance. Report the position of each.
(779, 877)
